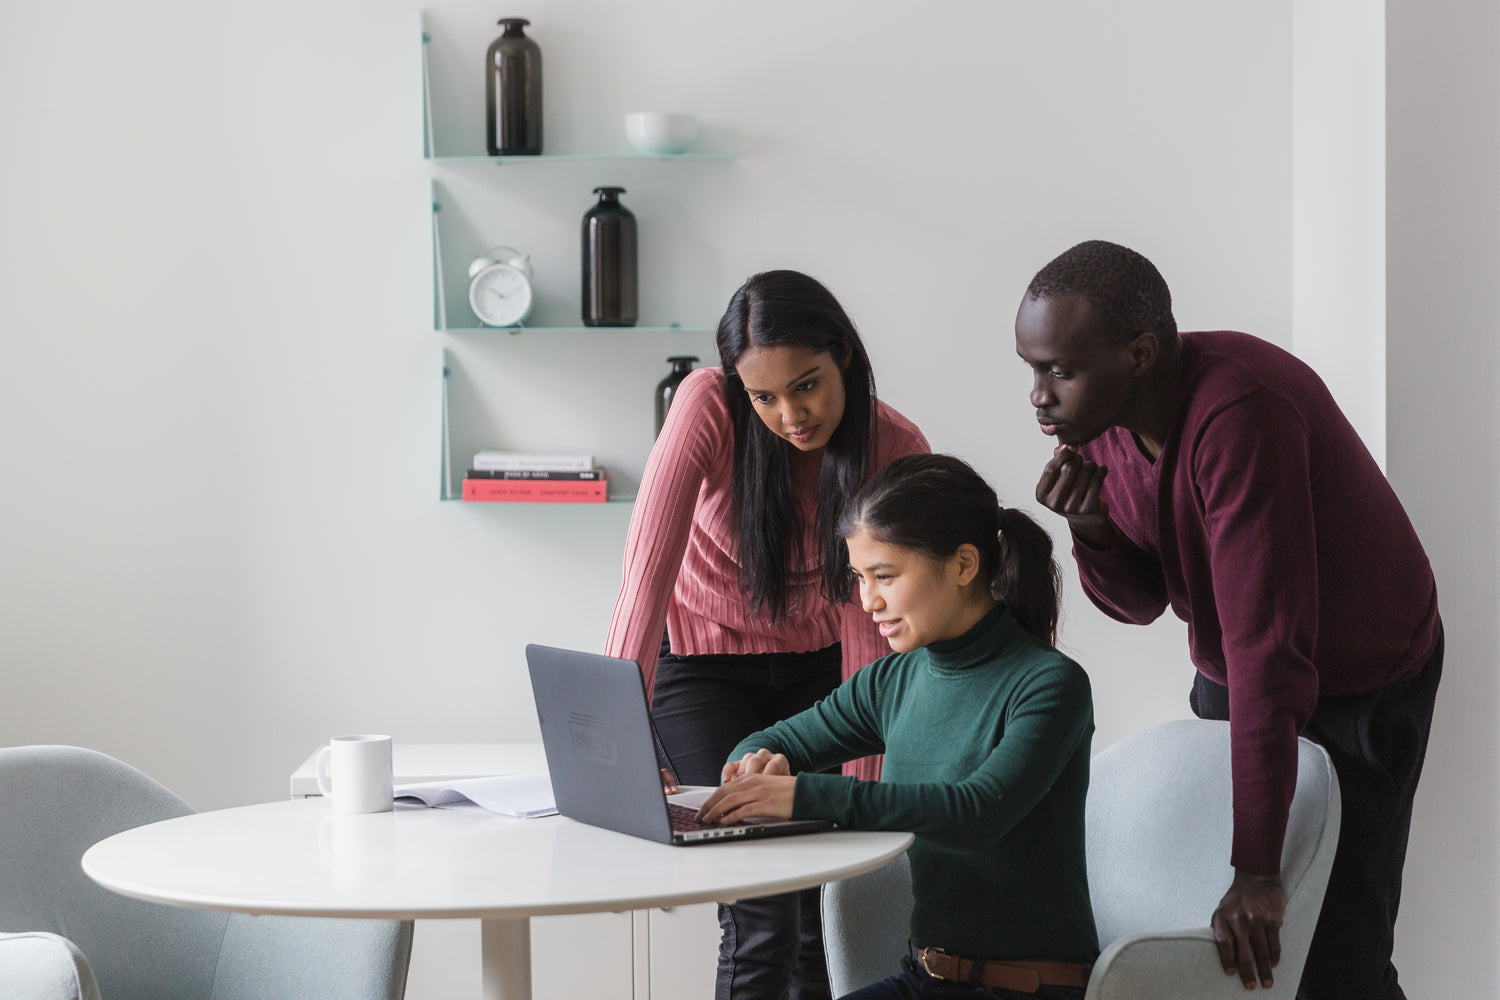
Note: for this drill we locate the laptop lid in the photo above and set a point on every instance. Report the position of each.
(601, 751)
(596, 733)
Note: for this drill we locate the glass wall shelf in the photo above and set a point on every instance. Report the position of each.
(430, 144)
(574, 157)
(448, 489)
(465, 322)
(515, 330)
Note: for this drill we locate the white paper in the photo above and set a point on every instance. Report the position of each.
(523, 795)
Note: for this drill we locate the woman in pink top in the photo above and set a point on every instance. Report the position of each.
(734, 548)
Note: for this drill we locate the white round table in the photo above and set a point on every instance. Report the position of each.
(299, 858)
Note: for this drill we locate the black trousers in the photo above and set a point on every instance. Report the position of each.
(1377, 742)
(772, 947)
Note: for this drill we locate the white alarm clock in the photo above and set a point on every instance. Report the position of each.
(500, 286)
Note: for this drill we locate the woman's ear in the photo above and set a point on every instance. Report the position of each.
(965, 562)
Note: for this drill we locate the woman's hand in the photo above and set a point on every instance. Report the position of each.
(761, 761)
(752, 795)
(758, 784)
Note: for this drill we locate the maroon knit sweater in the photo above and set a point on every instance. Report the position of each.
(1268, 527)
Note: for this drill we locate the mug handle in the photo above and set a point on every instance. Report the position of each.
(320, 770)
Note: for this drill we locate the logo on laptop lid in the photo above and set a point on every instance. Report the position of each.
(593, 738)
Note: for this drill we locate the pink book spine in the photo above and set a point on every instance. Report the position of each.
(537, 490)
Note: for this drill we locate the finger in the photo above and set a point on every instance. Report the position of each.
(668, 782)
(1091, 501)
(754, 763)
(733, 807)
(778, 764)
(1055, 475)
(1273, 945)
(1045, 484)
(1224, 942)
(729, 772)
(710, 804)
(1058, 497)
(724, 798)
(1244, 955)
(1079, 485)
(748, 809)
(1262, 949)
(743, 766)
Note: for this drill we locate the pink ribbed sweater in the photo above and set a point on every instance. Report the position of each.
(680, 564)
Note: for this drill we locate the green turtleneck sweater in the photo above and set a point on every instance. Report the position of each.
(986, 743)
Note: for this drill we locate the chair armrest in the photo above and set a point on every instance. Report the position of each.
(35, 965)
(1171, 965)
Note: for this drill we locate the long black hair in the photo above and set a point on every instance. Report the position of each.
(935, 503)
(788, 308)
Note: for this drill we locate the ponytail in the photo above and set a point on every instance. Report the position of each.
(1028, 580)
(935, 503)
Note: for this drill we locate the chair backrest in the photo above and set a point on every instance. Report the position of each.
(55, 803)
(1160, 824)
(865, 926)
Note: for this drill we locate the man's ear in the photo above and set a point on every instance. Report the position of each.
(1143, 349)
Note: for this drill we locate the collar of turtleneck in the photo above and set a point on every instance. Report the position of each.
(977, 645)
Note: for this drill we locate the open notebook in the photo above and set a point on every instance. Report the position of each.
(522, 795)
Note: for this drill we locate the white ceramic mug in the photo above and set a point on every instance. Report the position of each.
(355, 772)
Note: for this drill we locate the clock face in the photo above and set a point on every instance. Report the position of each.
(500, 295)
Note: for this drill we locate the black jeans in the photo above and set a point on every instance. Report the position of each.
(772, 947)
(1377, 742)
(913, 983)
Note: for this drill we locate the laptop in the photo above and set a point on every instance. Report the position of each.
(602, 753)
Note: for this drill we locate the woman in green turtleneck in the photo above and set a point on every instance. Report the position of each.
(985, 729)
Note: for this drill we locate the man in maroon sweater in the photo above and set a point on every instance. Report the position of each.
(1214, 473)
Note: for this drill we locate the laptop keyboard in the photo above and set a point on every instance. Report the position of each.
(685, 820)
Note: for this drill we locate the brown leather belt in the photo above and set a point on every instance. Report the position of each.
(1024, 977)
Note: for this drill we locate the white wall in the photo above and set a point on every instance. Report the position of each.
(1443, 363)
(219, 538)
(1338, 204)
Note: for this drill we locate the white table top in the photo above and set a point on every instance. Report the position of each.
(299, 858)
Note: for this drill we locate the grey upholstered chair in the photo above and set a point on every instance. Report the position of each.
(1159, 826)
(60, 933)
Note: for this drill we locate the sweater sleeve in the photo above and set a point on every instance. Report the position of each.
(840, 727)
(662, 520)
(1124, 581)
(1252, 468)
(1052, 713)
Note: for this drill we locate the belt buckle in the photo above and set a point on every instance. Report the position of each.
(922, 959)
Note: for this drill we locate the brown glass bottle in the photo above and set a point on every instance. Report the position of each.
(610, 294)
(513, 92)
(682, 366)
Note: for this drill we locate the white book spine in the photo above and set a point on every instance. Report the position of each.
(497, 461)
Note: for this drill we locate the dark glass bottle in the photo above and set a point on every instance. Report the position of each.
(513, 92)
(610, 296)
(681, 364)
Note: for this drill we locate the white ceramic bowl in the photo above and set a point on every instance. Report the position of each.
(661, 133)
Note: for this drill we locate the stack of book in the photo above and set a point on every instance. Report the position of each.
(527, 477)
